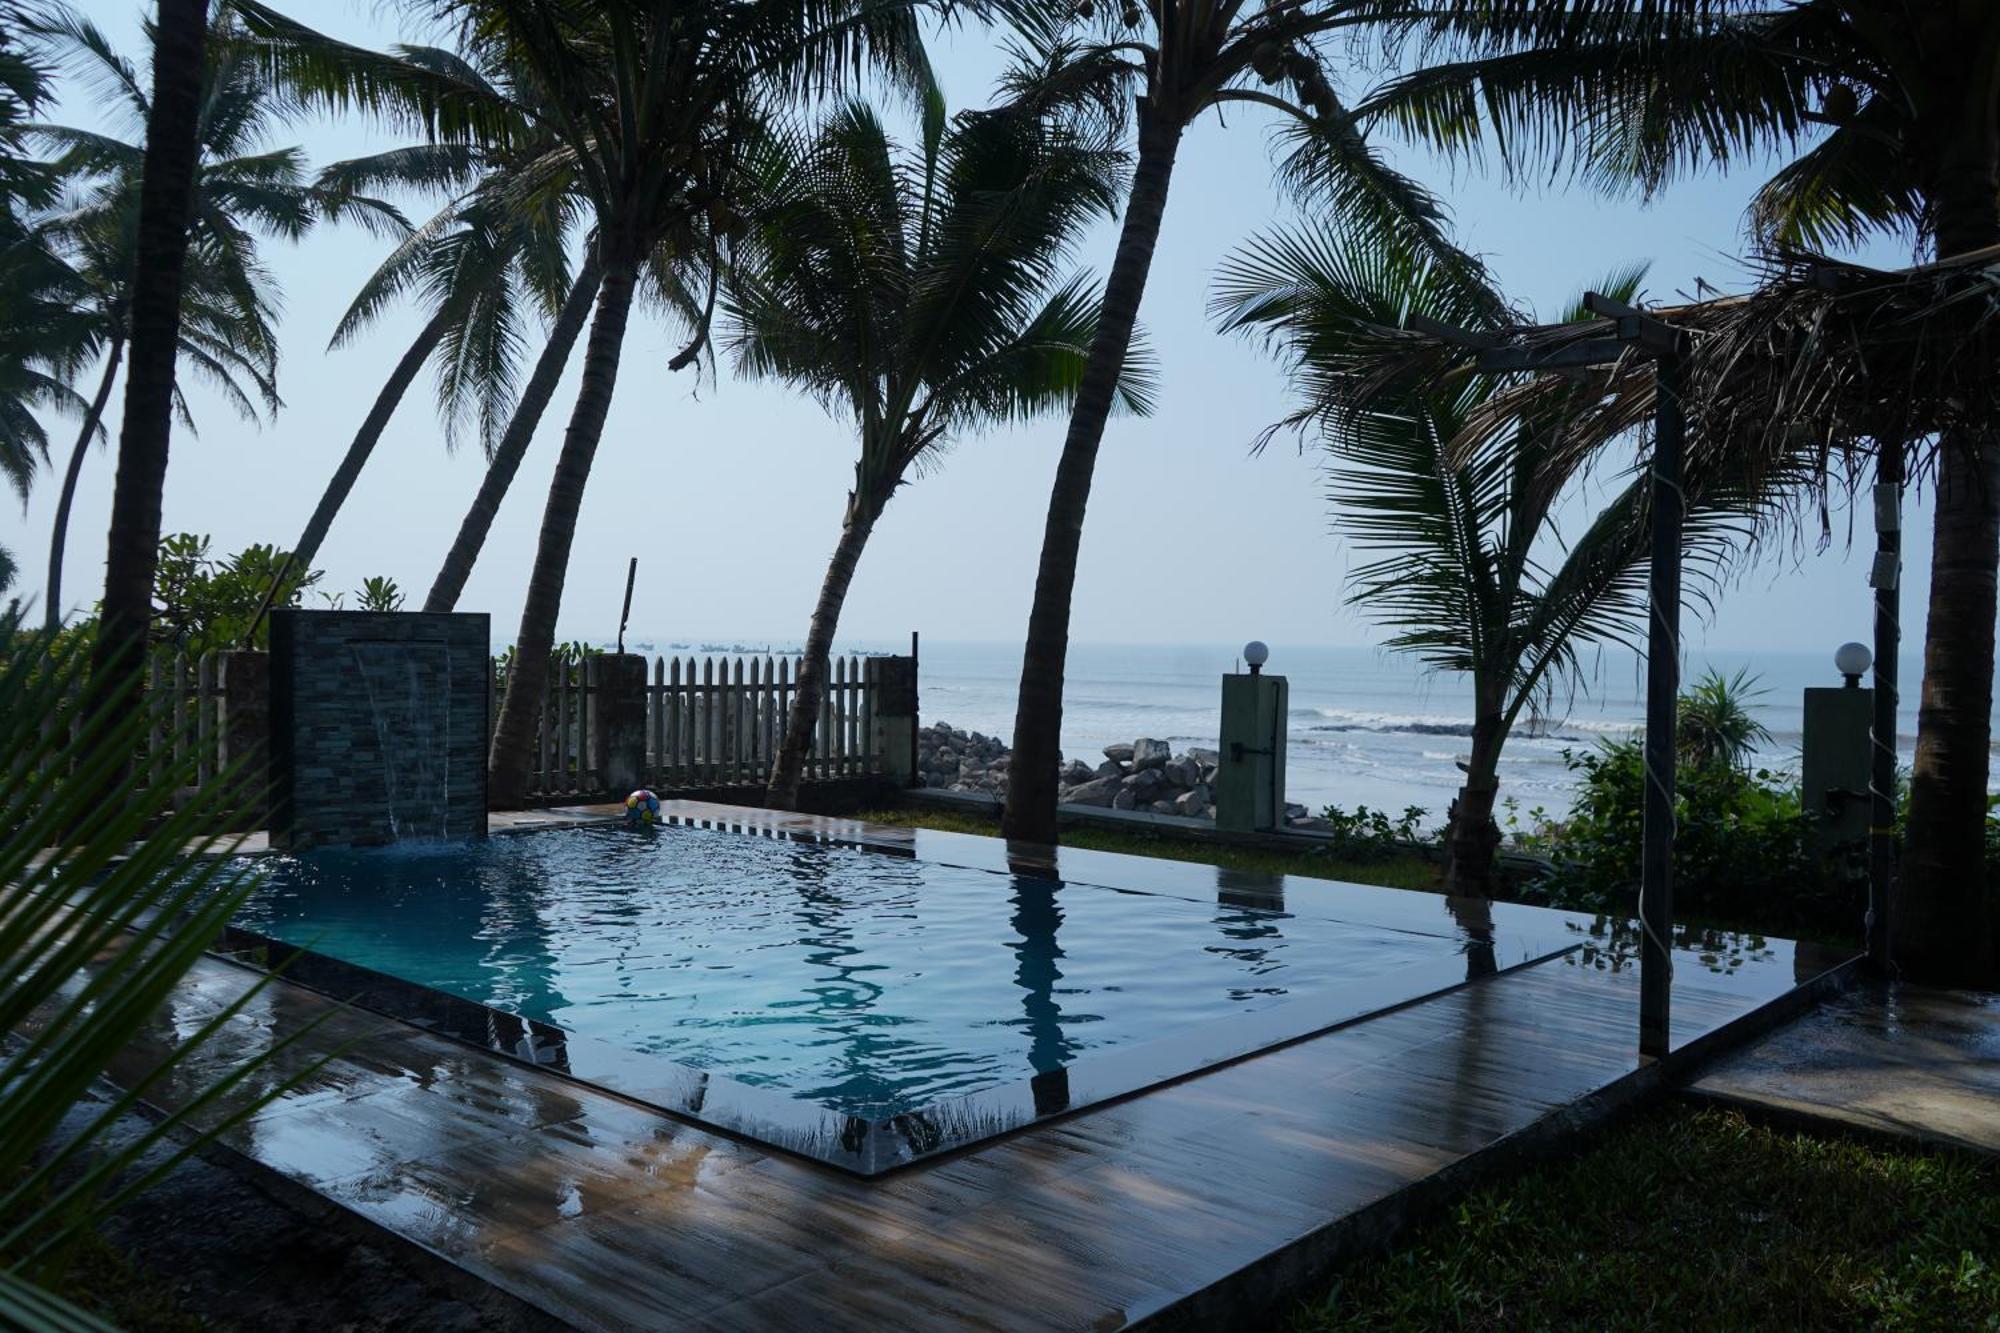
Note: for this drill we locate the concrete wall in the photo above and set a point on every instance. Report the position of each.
(378, 726)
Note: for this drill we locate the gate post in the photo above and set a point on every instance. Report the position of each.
(895, 717)
(245, 733)
(618, 720)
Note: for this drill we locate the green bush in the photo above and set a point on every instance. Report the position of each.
(1367, 835)
(1743, 853)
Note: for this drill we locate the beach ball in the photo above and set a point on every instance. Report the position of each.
(642, 807)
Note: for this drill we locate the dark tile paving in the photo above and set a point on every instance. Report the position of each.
(1903, 1061)
(610, 1215)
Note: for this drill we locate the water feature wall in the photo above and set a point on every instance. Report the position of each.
(378, 727)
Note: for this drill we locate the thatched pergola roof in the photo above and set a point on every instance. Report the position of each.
(1808, 374)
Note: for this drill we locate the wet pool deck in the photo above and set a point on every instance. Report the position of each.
(1210, 1199)
(1892, 1061)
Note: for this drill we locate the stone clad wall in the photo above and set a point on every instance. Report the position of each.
(379, 726)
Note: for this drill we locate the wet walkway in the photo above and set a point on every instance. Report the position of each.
(1209, 1201)
(1900, 1061)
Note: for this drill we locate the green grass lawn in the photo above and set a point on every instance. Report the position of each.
(1398, 872)
(1686, 1219)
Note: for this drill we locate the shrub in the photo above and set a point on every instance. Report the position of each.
(1743, 851)
(1368, 835)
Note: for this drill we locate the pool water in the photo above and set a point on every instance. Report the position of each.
(867, 984)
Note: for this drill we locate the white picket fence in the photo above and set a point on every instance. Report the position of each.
(710, 722)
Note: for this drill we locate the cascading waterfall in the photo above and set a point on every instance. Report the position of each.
(408, 700)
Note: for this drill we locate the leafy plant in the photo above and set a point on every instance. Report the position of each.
(108, 904)
(379, 594)
(1713, 725)
(1743, 849)
(1371, 835)
(202, 604)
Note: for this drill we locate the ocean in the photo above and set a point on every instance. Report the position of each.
(1367, 727)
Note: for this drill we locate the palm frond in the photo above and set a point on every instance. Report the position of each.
(111, 901)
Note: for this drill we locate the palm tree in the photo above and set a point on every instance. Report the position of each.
(502, 234)
(1713, 727)
(652, 107)
(469, 265)
(166, 208)
(1451, 487)
(229, 301)
(1888, 112)
(41, 336)
(922, 295)
(505, 459)
(1167, 63)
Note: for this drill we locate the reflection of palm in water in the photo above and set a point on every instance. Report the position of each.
(1475, 917)
(1037, 968)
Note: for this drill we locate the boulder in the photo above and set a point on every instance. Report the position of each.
(1294, 811)
(1118, 754)
(1193, 804)
(1148, 753)
(1075, 773)
(1184, 772)
(1144, 781)
(1099, 792)
(1206, 758)
(1311, 824)
(1162, 808)
(1110, 768)
(1124, 800)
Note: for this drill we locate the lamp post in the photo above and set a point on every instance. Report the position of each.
(1250, 768)
(1852, 661)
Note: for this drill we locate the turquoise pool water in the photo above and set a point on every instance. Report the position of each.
(868, 984)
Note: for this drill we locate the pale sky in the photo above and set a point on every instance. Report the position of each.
(730, 492)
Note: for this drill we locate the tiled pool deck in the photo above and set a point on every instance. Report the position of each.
(1888, 1060)
(1205, 1199)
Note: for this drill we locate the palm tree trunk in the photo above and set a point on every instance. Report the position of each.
(1473, 837)
(342, 483)
(1030, 814)
(506, 460)
(783, 793)
(59, 536)
(1942, 934)
(507, 760)
(166, 203)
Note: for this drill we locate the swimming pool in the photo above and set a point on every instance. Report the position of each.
(862, 1008)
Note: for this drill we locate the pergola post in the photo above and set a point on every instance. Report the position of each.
(1886, 579)
(1663, 645)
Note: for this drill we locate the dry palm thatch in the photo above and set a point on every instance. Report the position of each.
(1800, 381)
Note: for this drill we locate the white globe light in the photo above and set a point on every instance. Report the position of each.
(1851, 659)
(1256, 653)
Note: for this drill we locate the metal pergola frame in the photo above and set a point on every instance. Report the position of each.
(1632, 332)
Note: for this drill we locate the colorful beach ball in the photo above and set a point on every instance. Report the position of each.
(642, 807)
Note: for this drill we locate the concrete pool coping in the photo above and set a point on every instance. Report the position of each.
(1212, 1199)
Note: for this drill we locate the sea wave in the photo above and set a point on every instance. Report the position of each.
(1571, 730)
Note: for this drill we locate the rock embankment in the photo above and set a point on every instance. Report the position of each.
(1144, 775)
